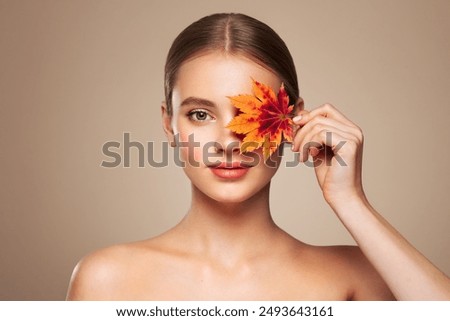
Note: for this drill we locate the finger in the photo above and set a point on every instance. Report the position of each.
(333, 140)
(315, 139)
(326, 110)
(299, 115)
(318, 123)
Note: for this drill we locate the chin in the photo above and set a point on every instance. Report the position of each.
(233, 194)
(229, 199)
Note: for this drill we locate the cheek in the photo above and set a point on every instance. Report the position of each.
(192, 145)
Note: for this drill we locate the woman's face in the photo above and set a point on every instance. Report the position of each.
(201, 112)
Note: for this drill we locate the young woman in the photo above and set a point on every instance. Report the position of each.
(227, 247)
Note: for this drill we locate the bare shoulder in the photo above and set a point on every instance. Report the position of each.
(349, 262)
(103, 273)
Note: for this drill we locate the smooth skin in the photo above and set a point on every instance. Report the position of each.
(227, 247)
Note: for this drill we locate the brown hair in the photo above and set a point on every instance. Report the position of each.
(232, 33)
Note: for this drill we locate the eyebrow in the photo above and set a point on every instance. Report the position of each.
(198, 101)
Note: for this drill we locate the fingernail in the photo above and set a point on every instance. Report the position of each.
(297, 118)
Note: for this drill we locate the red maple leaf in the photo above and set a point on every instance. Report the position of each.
(264, 119)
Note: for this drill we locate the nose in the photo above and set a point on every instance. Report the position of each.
(228, 142)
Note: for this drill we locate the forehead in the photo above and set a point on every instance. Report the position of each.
(217, 75)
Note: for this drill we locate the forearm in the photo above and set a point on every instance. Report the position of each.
(409, 274)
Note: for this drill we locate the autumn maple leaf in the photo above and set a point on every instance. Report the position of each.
(264, 119)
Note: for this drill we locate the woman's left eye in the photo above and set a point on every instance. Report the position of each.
(200, 115)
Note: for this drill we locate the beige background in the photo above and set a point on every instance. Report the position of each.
(76, 74)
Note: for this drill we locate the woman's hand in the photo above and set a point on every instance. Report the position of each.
(336, 147)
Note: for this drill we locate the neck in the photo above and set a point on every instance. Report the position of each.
(229, 230)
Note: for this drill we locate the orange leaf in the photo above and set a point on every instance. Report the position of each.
(264, 118)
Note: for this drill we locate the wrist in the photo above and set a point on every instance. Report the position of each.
(347, 202)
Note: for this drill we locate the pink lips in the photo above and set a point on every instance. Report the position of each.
(230, 171)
